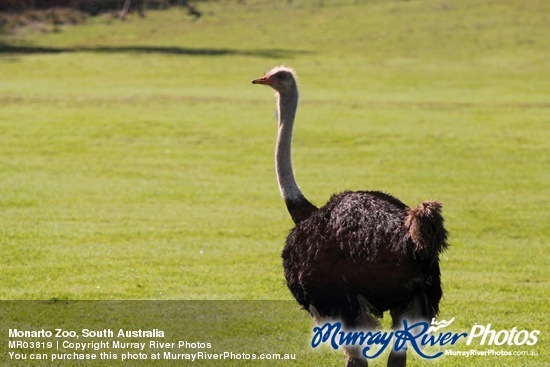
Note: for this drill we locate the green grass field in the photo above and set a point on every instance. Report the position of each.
(137, 158)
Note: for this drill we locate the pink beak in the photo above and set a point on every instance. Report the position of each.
(263, 80)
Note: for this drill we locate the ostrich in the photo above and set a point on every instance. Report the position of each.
(363, 252)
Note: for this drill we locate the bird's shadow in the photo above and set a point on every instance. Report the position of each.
(8, 49)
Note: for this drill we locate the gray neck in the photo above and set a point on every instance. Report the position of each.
(288, 103)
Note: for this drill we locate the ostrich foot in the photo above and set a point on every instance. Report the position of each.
(356, 362)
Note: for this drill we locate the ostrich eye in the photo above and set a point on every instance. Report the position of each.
(281, 76)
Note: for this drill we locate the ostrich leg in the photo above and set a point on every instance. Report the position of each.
(366, 321)
(397, 359)
(415, 310)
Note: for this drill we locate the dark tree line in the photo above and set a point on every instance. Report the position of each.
(94, 7)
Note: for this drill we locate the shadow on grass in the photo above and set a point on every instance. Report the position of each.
(6, 49)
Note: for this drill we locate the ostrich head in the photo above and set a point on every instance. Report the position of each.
(280, 78)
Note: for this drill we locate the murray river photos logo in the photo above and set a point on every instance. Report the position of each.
(416, 336)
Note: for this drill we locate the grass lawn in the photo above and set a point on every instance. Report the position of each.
(137, 158)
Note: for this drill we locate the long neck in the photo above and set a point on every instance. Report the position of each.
(298, 206)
